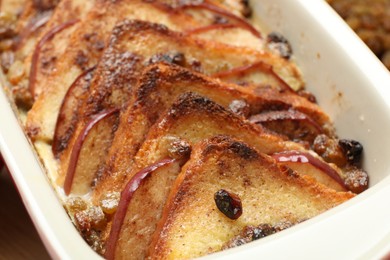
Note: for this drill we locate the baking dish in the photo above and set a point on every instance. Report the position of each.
(350, 84)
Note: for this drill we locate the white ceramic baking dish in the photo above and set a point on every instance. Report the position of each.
(350, 84)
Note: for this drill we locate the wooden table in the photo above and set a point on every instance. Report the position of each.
(18, 237)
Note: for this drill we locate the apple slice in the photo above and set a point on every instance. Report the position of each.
(224, 13)
(85, 159)
(230, 33)
(35, 57)
(257, 66)
(140, 209)
(291, 123)
(306, 164)
(192, 225)
(67, 116)
(211, 27)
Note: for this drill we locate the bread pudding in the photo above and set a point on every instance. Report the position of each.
(173, 128)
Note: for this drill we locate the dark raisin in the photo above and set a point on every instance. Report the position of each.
(220, 20)
(306, 94)
(280, 44)
(228, 203)
(196, 65)
(352, 149)
(177, 58)
(81, 59)
(247, 11)
(251, 233)
(262, 231)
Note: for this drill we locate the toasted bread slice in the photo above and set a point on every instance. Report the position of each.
(159, 87)
(133, 43)
(40, 50)
(115, 90)
(137, 40)
(30, 22)
(193, 226)
(228, 33)
(146, 45)
(84, 50)
(130, 233)
(13, 6)
(53, 41)
(237, 7)
(192, 118)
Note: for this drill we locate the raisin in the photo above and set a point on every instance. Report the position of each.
(356, 179)
(262, 231)
(280, 44)
(109, 202)
(90, 218)
(352, 149)
(247, 10)
(330, 150)
(240, 107)
(306, 94)
(251, 233)
(177, 58)
(228, 203)
(76, 204)
(179, 149)
(220, 20)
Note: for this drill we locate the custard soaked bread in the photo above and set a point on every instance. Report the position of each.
(131, 233)
(112, 85)
(132, 43)
(85, 49)
(41, 45)
(189, 121)
(192, 118)
(159, 87)
(201, 119)
(155, 116)
(192, 224)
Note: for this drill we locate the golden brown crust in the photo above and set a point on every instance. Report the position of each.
(269, 194)
(50, 49)
(133, 45)
(158, 88)
(167, 87)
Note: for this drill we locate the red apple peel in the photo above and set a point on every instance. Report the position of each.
(215, 9)
(35, 57)
(78, 145)
(304, 157)
(261, 66)
(71, 95)
(126, 197)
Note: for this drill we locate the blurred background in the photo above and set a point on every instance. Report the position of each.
(18, 237)
(370, 19)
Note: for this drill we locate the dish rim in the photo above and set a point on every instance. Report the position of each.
(46, 211)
